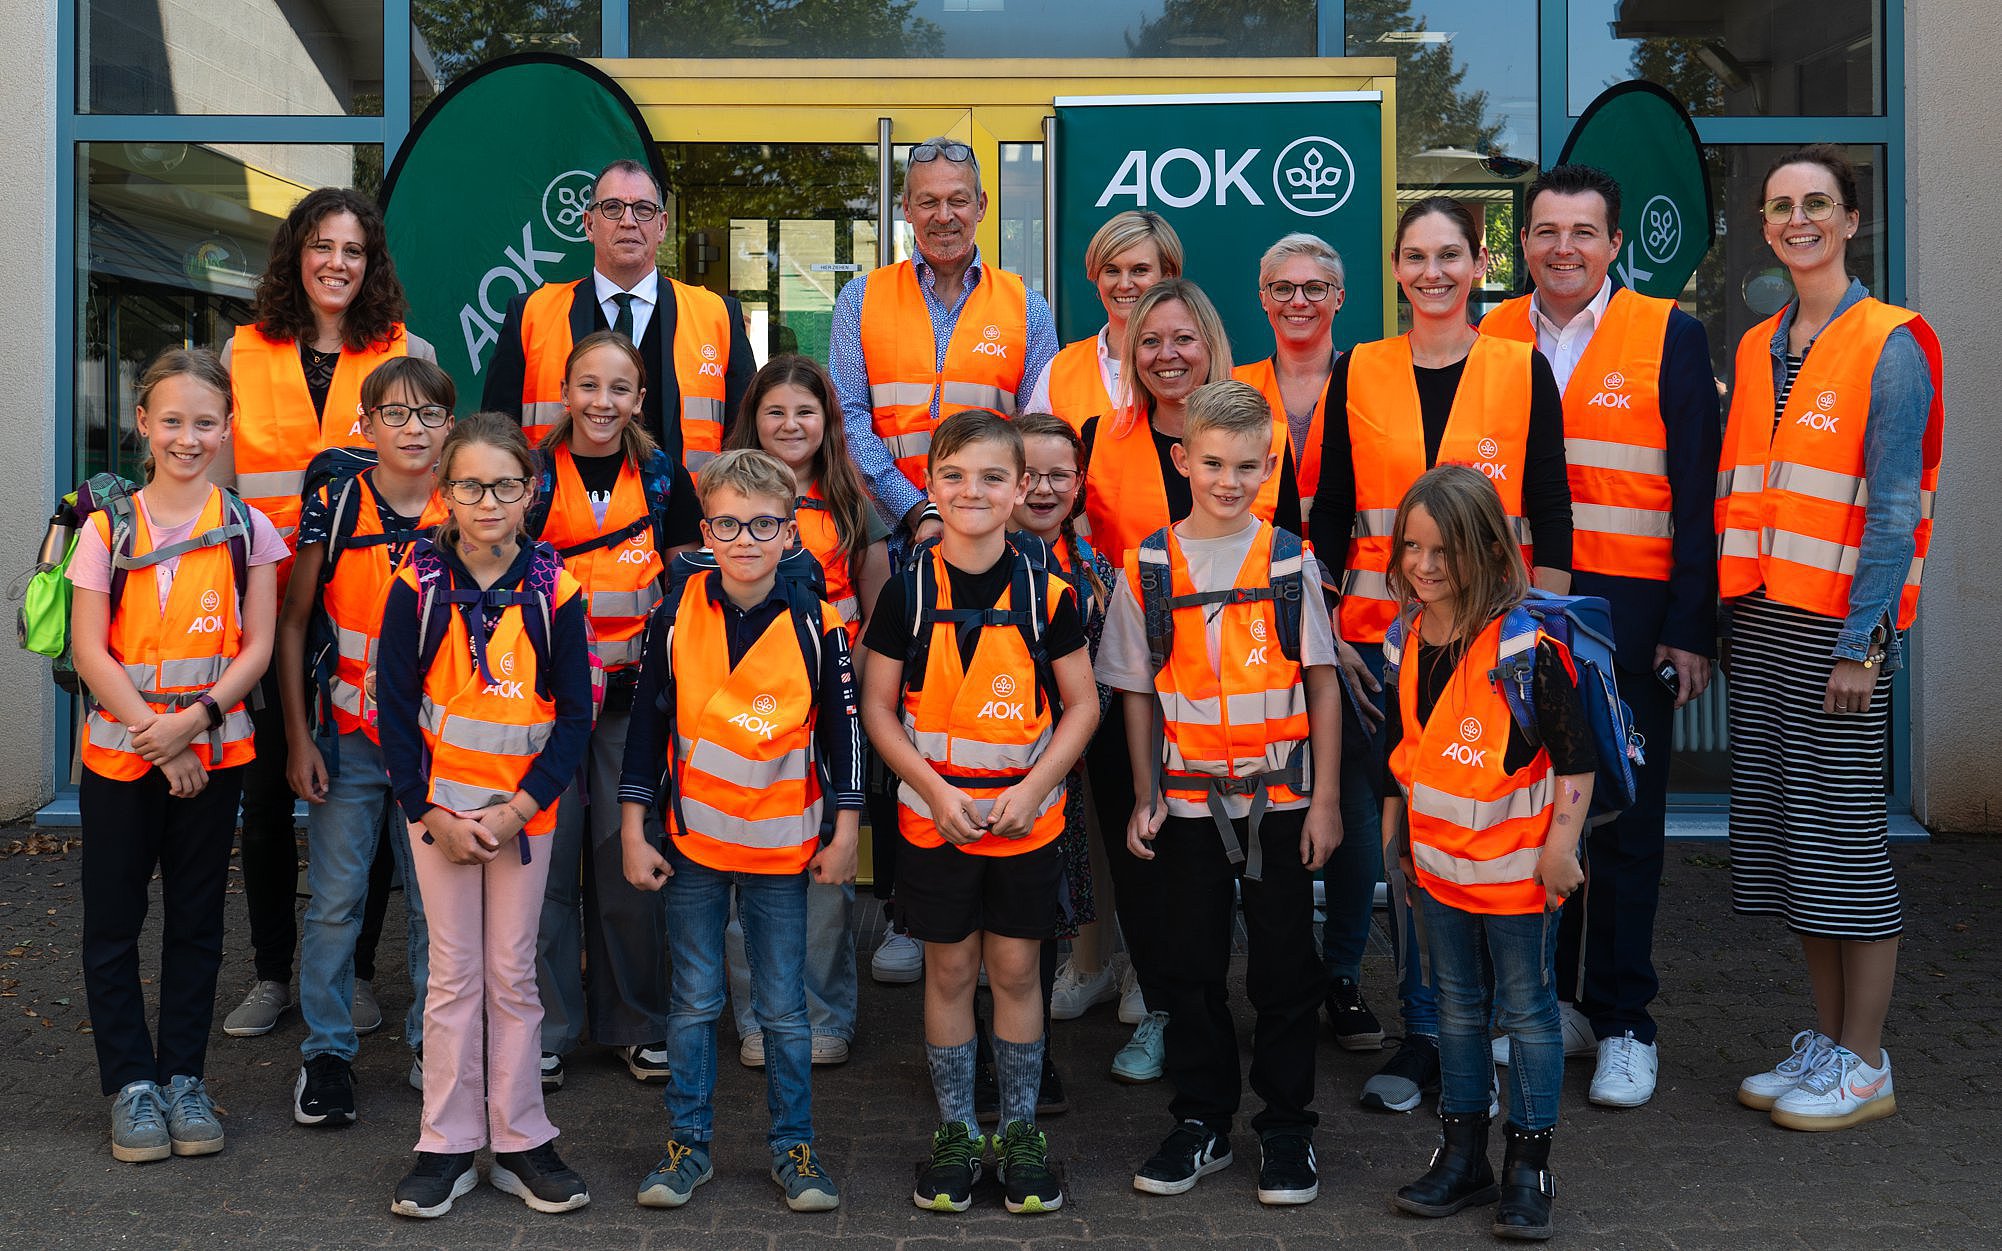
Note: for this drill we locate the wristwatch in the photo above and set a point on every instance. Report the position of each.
(207, 701)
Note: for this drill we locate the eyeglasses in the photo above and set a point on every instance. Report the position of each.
(643, 211)
(763, 528)
(1283, 292)
(1060, 481)
(398, 416)
(1818, 207)
(925, 153)
(472, 490)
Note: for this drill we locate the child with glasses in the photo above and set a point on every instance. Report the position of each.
(746, 701)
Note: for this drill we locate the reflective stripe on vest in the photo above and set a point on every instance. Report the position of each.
(1077, 384)
(623, 580)
(817, 534)
(1793, 497)
(1488, 428)
(1125, 497)
(983, 361)
(353, 600)
(1264, 375)
(1615, 442)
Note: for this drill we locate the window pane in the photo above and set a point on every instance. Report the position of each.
(448, 38)
(1466, 73)
(1734, 58)
(1021, 211)
(974, 28)
(144, 56)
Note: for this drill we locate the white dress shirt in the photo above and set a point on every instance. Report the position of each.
(645, 292)
(1564, 345)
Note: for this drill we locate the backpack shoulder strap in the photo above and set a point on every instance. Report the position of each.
(1289, 588)
(657, 482)
(433, 581)
(343, 515)
(537, 516)
(1515, 666)
(538, 613)
(1156, 588)
(804, 608)
(920, 578)
(1394, 636)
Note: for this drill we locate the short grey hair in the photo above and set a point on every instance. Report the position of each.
(972, 162)
(1313, 247)
(627, 165)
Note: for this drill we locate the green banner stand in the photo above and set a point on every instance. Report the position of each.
(486, 199)
(1642, 136)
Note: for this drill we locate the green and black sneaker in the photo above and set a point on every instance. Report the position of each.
(1022, 1163)
(946, 1184)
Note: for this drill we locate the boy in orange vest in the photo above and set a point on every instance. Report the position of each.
(1222, 647)
(980, 699)
(746, 701)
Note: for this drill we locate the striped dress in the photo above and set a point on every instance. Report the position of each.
(1808, 821)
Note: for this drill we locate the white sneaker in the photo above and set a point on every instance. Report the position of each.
(1842, 1092)
(1074, 993)
(1762, 1090)
(751, 1052)
(899, 961)
(1626, 1074)
(1132, 1004)
(1578, 1037)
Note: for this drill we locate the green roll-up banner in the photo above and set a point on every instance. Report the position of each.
(1642, 136)
(1231, 174)
(486, 198)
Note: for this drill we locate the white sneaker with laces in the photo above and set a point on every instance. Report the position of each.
(1132, 1004)
(259, 1011)
(899, 960)
(751, 1052)
(1762, 1090)
(1626, 1074)
(1842, 1092)
(1074, 993)
(1578, 1037)
(1142, 1059)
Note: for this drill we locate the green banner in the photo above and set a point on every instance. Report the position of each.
(486, 198)
(1231, 174)
(1642, 136)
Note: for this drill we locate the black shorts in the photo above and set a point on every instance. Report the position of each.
(946, 894)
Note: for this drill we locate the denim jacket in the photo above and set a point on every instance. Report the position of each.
(1901, 396)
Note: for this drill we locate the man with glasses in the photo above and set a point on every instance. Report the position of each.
(698, 357)
(1642, 437)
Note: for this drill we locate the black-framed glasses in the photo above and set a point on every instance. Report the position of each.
(925, 153)
(472, 490)
(643, 211)
(1283, 292)
(398, 416)
(763, 528)
(1816, 207)
(1060, 481)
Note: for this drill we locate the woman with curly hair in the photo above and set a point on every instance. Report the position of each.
(328, 310)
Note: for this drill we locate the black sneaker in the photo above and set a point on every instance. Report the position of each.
(1022, 1163)
(1404, 1081)
(1355, 1027)
(1190, 1152)
(647, 1062)
(945, 1184)
(1286, 1172)
(428, 1189)
(325, 1092)
(539, 1178)
(1051, 1099)
(552, 1072)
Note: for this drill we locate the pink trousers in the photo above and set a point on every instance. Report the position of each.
(482, 1016)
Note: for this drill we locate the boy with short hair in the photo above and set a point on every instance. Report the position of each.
(1212, 627)
(980, 699)
(746, 702)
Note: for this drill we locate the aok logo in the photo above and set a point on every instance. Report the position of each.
(211, 600)
(1259, 634)
(565, 201)
(506, 686)
(211, 620)
(710, 368)
(1000, 708)
(1313, 176)
(1820, 419)
(758, 721)
(988, 345)
(635, 553)
(1490, 460)
(1465, 753)
(1607, 399)
(765, 705)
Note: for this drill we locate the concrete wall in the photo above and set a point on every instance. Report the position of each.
(27, 373)
(1953, 98)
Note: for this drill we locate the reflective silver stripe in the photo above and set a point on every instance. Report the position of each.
(1274, 759)
(1800, 549)
(720, 762)
(114, 736)
(271, 485)
(541, 412)
(1258, 707)
(1374, 523)
(1285, 567)
(428, 715)
(975, 395)
(463, 797)
(694, 458)
(1741, 480)
(1740, 545)
(1482, 814)
(905, 446)
(1821, 484)
(702, 408)
(915, 802)
(1515, 645)
(899, 394)
(624, 603)
(623, 652)
(931, 744)
(772, 832)
(347, 697)
(144, 677)
(1180, 709)
(1520, 525)
(495, 738)
(193, 671)
(967, 753)
(1605, 454)
(1516, 866)
(1640, 523)
(1916, 573)
(352, 644)
(1366, 584)
(848, 608)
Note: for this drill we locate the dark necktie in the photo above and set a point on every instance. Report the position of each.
(623, 323)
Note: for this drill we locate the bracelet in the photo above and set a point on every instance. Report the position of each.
(1870, 661)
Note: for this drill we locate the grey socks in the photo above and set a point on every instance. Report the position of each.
(1018, 1071)
(952, 1082)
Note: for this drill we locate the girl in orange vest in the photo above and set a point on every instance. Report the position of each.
(354, 534)
(1131, 252)
(166, 737)
(480, 743)
(1485, 827)
(1300, 289)
(790, 412)
(599, 507)
(1831, 460)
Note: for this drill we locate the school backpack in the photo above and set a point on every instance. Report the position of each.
(656, 481)
(43, 625)
(1029, 613)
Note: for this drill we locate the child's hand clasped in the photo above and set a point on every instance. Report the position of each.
(1143, 826)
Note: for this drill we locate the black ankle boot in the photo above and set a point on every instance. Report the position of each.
(1460, 1175)
(1526, 1186)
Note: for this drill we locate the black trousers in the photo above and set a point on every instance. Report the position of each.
(1283, 975)
(270, 858)
(1136, 885)
(1612, 919)
(128, 829)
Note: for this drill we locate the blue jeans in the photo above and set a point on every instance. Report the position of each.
(831, 985)
(341, 836)
(1516, 953)
(774, 911)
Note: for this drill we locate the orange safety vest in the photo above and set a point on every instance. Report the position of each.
(701, 359)
(818, 535)
(981, 726)
(1264, 375)
(276, 430)
(1792, 495)
(1125, 498)
(1077, 385)
(1488, 429)
(483, 737)
(983, 362)
(172, 655)
(747, 795)
(353, 600)
(623, 580)
(1615, 442)
(1476, 830)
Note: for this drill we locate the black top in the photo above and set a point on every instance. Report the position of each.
(1180, 502)
(319, 367)
(890, 625)
(1560, 717)
(600, 476)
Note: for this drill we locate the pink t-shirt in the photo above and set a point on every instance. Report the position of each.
(90, 566)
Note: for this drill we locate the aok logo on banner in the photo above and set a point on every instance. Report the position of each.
(1313, 176)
